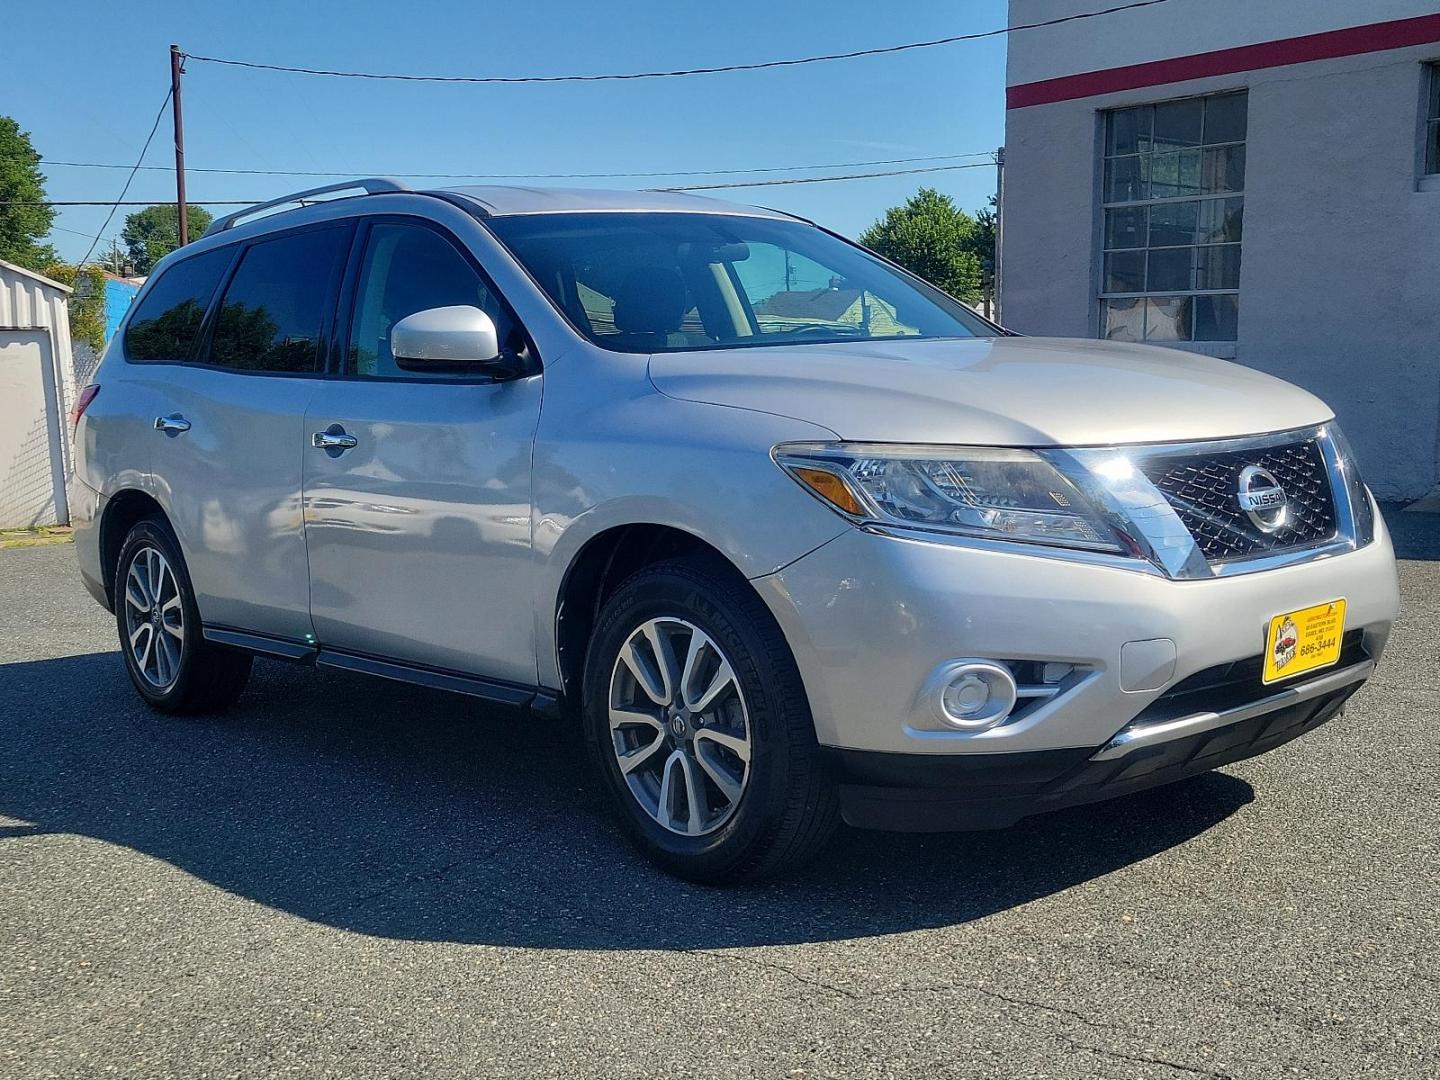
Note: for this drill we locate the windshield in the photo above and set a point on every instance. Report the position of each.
(658, 282)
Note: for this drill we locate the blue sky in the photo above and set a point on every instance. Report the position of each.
(87, 88)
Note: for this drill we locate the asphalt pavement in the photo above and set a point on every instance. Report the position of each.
(351, 878)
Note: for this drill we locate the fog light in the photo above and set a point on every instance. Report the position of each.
(976, 694)
(967, 697)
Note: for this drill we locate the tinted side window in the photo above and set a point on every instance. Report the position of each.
(273, 310)
(408, 268)
(167, 322)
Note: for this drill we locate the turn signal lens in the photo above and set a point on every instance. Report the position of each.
(830, 488)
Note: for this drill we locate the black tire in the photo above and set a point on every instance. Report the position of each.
(787, 810)
(207, 678)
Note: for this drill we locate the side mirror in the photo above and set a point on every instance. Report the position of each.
(445, 339)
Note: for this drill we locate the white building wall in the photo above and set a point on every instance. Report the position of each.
(1340, 270)
(1176, 28)
(34, 318)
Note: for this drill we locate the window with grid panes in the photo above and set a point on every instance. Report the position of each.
(1173, 205)
(1432, 119)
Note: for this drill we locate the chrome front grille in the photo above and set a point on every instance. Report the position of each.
(1202, 488)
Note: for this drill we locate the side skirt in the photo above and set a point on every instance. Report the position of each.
(261, 644)
(537, 700)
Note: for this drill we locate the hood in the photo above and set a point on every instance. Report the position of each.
(994, 392)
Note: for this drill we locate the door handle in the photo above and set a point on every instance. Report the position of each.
(333, 440)
(174, 424)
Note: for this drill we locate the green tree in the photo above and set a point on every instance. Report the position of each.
(154, 232)
(87, 303)
(167, 336)
(22, 186)
(932, 237)
(982, 237)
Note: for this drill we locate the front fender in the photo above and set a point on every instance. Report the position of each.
(699, 468)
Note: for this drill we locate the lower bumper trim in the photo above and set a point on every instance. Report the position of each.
(1138, 736)
(910, 793)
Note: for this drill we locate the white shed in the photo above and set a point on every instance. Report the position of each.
(37, 386)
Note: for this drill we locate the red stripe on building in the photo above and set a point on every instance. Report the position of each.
(1351, 41)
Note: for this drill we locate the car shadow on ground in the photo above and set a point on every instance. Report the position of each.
(400, 812)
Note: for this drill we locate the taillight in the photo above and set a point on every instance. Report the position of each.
(82, 403)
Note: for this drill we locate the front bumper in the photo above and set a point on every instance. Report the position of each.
(926, 793)
(869, 617)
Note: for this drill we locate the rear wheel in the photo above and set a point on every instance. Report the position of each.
(171, 664)
(700, 728)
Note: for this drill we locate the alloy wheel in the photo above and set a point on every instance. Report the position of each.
(154, 618)
(679, 726)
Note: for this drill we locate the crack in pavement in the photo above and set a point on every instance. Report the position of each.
(1075, 1014)
(1009, 999)
(1120, 1055)
(1098, 1025)
(737, 957)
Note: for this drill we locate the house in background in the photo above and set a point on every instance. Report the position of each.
(119, 293)
(1253, 181)
(37, 387)
(786, 310)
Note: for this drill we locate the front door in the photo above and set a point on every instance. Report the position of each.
(417, 512)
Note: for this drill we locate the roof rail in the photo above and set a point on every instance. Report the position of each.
(372, 185)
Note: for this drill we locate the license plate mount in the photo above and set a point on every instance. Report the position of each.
(1306, 640)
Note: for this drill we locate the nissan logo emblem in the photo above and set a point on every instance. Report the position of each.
(1263, 499)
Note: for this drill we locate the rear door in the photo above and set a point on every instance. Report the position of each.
(419, 534)
(227, 455)
(119, 438)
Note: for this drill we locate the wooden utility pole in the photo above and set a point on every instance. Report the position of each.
(999, 275)
(114, 260)
(180, 211)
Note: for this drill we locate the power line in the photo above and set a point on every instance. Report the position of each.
(130, 202)
(825, 179)
(73, 232)
(795, 62)
(529, 176)
(690, 187)
(126, 189)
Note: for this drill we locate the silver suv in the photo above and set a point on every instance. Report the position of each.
(797, 537)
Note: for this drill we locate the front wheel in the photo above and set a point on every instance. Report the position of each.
(700, 728)
(171, 664)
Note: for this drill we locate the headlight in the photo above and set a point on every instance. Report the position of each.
(1360, 506)
(974, 491)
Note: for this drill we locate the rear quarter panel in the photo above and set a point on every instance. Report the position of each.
(114, 440)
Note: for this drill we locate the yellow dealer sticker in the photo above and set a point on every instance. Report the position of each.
(1304, 640)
